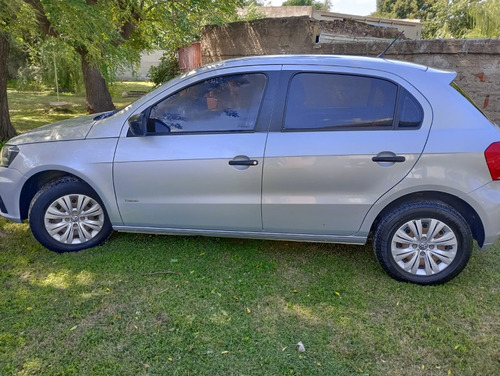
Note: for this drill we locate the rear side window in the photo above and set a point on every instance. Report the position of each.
(220, 104)
(322, 101)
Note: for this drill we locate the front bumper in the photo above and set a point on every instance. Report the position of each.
(11, 183)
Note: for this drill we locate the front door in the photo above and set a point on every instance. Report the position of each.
(200, 164)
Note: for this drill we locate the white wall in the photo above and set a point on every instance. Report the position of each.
(148, 60)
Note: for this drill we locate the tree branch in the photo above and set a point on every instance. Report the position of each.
(43, 21)
(152, 6)
(129, 25)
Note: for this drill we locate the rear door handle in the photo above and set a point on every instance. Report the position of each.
(394, 159)
(248, 162)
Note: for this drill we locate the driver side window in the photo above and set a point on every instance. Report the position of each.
(220, 104)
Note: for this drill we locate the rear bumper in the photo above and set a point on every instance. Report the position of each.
(11, 183)
(488, 207)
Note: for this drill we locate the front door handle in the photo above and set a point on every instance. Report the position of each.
(247, 162)
(394, 159)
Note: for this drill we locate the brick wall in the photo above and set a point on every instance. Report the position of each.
(477, 61)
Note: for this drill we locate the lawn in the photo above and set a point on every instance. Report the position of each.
(172, 305)
(29, 109)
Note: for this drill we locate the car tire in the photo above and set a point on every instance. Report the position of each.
(423, 242)
(66, 215)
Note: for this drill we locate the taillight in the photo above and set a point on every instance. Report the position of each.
(492, 155)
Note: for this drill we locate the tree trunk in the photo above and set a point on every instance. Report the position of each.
(96, 90)
(6, 129)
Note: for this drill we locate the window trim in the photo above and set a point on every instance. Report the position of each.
(395, 121)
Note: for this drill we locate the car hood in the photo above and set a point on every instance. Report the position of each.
(70, 129)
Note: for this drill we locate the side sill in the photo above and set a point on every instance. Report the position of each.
(359, 240)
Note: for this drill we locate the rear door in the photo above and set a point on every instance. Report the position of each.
(345, 137)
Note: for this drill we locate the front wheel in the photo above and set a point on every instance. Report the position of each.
(426, 243)
(66, 216)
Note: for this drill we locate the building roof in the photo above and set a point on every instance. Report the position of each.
(411, 27)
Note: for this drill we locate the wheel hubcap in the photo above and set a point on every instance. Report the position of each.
(74, 219)
(424, 246)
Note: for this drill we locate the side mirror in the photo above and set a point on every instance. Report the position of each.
(137, 124)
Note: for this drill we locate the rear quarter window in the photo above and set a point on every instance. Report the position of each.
(410, 114)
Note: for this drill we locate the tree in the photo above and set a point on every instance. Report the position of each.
(110, 33)
(89, 27)
(6, 129)
(486, 19)
(399, 8)
(9, 11)
(449, 18)
(441, 18)
(318, 5)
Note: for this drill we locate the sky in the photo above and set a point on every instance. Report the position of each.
(355, 7)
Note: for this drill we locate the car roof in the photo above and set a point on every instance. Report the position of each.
(394, 66)
(334, 60)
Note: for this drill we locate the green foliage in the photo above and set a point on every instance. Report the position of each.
(17, 20)
(447, 18)
(166, 70)
(253, 12)
(318, 5)
(173, 24)
(399, 8)
(111, 34)
(9, 10)
(190, 32)
(253, 2)
(486, 15)
(97, 27)
(38, 71)
(29, 78)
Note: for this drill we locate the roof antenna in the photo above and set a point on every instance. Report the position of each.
(390, 45)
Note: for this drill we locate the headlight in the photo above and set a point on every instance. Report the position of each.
(8, 154)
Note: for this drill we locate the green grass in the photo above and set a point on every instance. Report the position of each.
(30, 110)
(237, 307)
(231, 306)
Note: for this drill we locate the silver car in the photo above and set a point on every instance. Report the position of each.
(307, 148)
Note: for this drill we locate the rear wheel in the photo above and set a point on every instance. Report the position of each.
(66, 215)
(427, 243)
